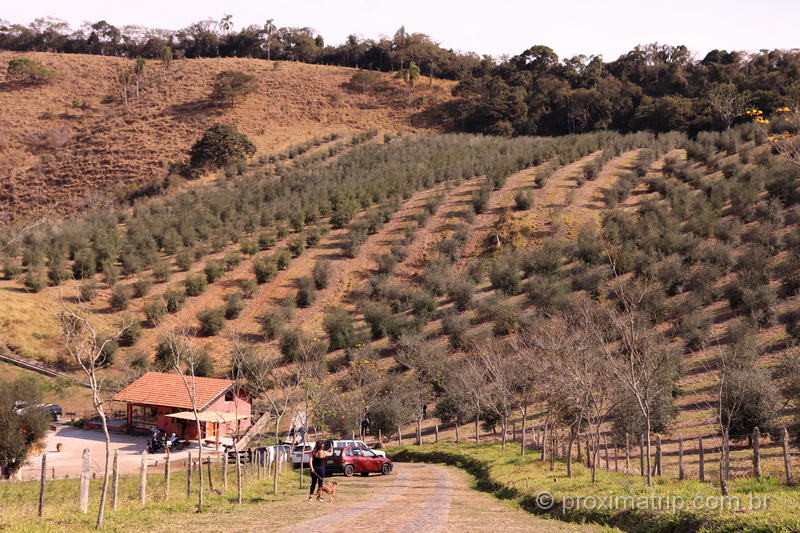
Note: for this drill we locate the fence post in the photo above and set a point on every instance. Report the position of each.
(756, 452)
(437, 433)
(605, 446)
(399, 436)
(787, 464)
(702, 475)
(380, 438)
(189, 476)
(166, 473)
(681, 473)
(143, 478)
(84, 497)
(225, 470)
(115, 481)
(210, 479)
(42, 480)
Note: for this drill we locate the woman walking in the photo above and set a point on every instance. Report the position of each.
(318, 455)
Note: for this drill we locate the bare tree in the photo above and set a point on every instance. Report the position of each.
(184, 360)
(87, 347)
(638, 356)
(269, 31)
(728, 102)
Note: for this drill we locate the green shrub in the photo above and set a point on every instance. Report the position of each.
(203, 365)
(249, 247)
(85, 263)
(88, 290)
(306, 293)
(211, 321)
(184, 259)
(265, 269)
(108, 351)
(322, 273)
(11, 268)
(291, 344)
(456, 327)
(247, 287)
(504, 313)
(120, 297)
(339, 327)
(27, 70)
(131, 333)
(266, 241)
(272, 323)
(220, 146)
(174, 299)
(282, 259)
(297, 246)
(195, 284)
(232, 260)
(523, 201)
(155, 310)
(34, 280)
(233, 305)
(161, 271)
(379, 317)
(231, 87)
(505, 276)
(546, 293)
(480, 199)
(141, 287)
(460, 291)
(213, 271)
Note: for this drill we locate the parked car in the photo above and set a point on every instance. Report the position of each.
(52, 409)
(351, 460)
(359, 444)
(309, 447)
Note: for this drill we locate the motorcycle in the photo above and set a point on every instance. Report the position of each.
(155, 443)
(174, 443)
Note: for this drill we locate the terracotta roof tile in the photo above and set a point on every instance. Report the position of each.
(156, 388)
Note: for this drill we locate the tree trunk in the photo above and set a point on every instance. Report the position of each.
(641, 455)
(627, 453)
(605, 446)
(569, 450)
(524, 420)
(477, 421)
(104, 491)
(166, 473)
(649, 466)
(225, 470)
(504, 424)
(277, 467)
(681, 473)
(723, 475)
(657, 465)
(458, 437)
(189, 466)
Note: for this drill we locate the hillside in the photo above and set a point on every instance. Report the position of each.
(74, 143)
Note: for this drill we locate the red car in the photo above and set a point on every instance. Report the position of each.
(351, 460)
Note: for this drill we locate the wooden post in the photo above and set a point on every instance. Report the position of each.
(225, 470)
(419, 433)
(458, 437)
(605, 445)
(42, 480)
(115, 481)
(569, 452)
(658, 456)
(437, 433)
(787, 464)
(756, 453)
(189, 476)
(166, 473)
(616, 457)
(641, 454)
(681, 473)
(210, 479)
(399, 436)
(143, 479)
(84, 495)
(514, 431)
(380, 438)
(702, 474)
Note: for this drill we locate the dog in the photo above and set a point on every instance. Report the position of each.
(330, 490)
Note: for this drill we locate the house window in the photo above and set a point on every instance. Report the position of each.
(229, 396)
(143, 416)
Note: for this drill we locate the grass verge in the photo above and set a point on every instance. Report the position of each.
(666, 507)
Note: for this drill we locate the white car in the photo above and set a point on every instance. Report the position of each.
(305, 451)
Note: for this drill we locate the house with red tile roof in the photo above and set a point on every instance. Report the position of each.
(164, 401)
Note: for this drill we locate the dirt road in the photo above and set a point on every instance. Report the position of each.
(414, 498)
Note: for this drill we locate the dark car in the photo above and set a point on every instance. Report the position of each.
(53, 410)
(351, 460)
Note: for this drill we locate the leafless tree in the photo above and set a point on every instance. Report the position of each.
(87, 347)
(728, 103)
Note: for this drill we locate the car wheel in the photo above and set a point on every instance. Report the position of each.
(349, 470)
(385, 468)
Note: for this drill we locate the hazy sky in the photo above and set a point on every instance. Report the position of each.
(570, 27)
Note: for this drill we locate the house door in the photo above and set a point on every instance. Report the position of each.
(211, 429)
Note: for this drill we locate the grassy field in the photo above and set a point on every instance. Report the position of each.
(523, 479)
(18, 502)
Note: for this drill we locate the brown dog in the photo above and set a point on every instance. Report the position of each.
(330, 490)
